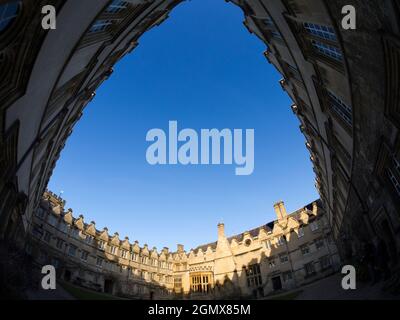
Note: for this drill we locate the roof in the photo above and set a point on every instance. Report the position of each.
(256, 231)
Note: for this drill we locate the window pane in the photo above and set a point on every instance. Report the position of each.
(320, 31)
(117, 6)
(327, 50)
(341, 108)
(100, 25)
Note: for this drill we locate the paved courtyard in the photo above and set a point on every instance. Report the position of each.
(58, 294)
(330, 289)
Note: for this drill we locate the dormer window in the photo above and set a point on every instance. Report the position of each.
(102, 245)
(75, 233)
(145, 260)
(88, 239)
(314, 226)
(134, 256)
(113, 250)
(40, 213)
(281, 241)
(283, 258)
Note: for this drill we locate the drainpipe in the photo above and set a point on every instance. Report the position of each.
(290, 261)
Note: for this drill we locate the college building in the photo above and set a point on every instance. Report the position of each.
(344, 84)
(294, 250)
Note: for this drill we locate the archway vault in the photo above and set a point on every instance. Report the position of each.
(343, 83)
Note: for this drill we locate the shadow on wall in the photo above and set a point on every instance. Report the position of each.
(260, 278)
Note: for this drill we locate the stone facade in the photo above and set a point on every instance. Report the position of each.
(284, 254)
(94, 259)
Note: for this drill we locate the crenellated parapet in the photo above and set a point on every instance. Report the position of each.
(179, 271)
(89, 229)
(272, 231)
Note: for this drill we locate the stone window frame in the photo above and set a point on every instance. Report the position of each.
(283, 258)
(305, 249)
(383, 162)
(8, 34)
(201, 282)
(99, 262)
(113, 249)
(47, 236)
(280, 241)
(325, 104)
(124, 253)
(72, 250)
(319, 243)
(304, 40)
(309, 269)
(318, 30)
(119, 20)
(391, 46)
(271, 263)
(287, 276)
(270, 32)
(314, 225)
(84, 255)
(60, 243)
(253, 275)
(324, 266)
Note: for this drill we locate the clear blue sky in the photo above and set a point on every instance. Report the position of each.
(202, 68)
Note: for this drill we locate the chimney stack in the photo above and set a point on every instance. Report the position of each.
(315, 208)
(221, 230)
(280, 210)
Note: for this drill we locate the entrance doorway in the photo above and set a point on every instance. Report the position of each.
(277, 283)
(67, 275)
(108, 286)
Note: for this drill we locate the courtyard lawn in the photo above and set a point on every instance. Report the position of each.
(286, 296)
(80, 293)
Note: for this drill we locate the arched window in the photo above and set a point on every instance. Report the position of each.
(8, 13)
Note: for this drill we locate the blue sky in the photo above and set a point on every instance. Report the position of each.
(202, 68)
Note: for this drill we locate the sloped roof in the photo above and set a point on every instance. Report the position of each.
(256, 231)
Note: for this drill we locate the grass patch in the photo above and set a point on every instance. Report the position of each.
(86, 294)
